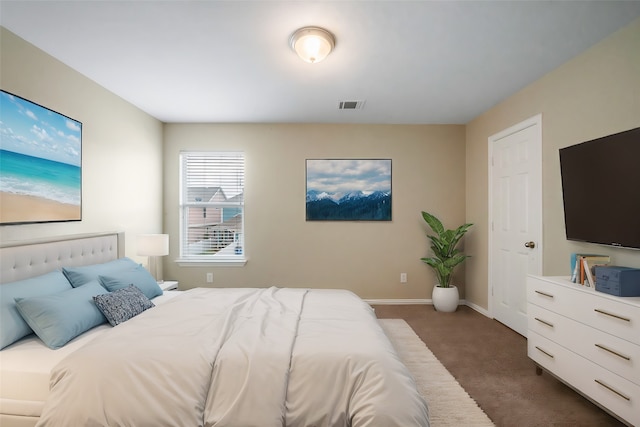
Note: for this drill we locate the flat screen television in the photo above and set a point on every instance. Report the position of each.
(601, 190)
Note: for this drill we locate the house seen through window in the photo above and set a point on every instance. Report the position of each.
(212, 206)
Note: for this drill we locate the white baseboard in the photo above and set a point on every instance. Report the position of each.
(471, 305)
(397, 301)
(479, 309)
(405, 301)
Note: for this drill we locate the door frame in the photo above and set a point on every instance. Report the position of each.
(535, 121)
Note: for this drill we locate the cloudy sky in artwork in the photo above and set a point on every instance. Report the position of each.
(33, 130)
(348, 175)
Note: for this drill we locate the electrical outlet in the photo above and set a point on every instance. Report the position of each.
(209, 277)
(403, 277)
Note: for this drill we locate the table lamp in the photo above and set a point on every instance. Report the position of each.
(154, 246)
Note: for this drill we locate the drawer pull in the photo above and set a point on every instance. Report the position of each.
(544, 322)
(612, 351)
(611, 389)
(544, 294)
(626, 319)
(548, 354)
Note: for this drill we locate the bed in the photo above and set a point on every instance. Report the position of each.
(204, 357)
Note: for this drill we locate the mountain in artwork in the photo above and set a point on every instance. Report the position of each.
(350, 206)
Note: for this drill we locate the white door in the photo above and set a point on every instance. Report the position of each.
(515, 219)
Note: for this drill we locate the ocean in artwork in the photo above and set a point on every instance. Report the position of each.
(38, 177)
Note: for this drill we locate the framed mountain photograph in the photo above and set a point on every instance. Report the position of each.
(40, 163)
(348, 190)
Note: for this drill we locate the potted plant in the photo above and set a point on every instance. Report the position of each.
(446, 256)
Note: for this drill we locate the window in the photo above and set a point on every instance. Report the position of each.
(212, 207)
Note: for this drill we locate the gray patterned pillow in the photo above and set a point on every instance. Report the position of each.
(123, 304)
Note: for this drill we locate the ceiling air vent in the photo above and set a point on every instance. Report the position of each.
(350, 105)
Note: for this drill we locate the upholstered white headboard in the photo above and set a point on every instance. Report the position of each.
(21, 260)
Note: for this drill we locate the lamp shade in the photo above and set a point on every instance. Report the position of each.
(312, 44)
(153, 244)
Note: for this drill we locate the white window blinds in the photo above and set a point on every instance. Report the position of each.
(212, 206)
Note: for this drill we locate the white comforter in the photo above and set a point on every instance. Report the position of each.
(239, 357)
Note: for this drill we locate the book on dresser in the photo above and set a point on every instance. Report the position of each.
(588, 277)
(583, 267)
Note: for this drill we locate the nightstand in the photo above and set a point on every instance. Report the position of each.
(169, 285)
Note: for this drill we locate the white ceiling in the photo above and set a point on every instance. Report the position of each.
(412, 62)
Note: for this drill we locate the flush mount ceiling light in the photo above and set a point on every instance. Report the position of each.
(312, 44)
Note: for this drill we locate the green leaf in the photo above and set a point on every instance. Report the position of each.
(433, 222)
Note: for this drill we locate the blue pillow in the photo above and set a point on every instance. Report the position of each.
(59, 318)
(137, 276)
(123, 304)
(78, 276)
(12, 325)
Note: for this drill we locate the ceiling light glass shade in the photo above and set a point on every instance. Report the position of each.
(312, 44)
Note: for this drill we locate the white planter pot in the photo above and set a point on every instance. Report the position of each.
(445, 299)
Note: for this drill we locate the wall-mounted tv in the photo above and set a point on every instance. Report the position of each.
(40, 163)
(601, 190)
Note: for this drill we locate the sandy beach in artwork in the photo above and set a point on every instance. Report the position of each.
(19, 208)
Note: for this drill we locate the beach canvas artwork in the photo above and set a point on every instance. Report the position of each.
(40, 163)
(348, 190)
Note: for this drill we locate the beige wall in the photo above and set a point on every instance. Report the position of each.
(285, 250)
(593, 95)
(121, 146)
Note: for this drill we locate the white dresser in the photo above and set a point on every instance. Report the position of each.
(589, 340)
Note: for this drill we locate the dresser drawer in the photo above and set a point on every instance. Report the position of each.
(612, 353)
(608, 314)
(609, 390)
(613, 317)
(552, 296)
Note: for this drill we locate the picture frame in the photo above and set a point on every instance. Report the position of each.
(40, 163)
(348, 190)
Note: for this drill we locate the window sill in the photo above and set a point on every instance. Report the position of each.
(222, 262)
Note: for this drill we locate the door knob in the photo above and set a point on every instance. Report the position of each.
(530, 245)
